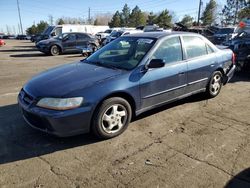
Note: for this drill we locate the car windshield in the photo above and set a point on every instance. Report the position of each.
(225, 31)
(123, 53)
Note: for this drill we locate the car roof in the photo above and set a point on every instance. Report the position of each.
(160, 34)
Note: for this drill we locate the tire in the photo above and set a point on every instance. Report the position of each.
(54, 50)
(85, 54)
(93, 47)
(111, 118)
(215, 84)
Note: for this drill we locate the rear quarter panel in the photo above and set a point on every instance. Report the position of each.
(224, 59)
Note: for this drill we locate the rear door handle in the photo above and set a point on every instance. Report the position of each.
(181, 73)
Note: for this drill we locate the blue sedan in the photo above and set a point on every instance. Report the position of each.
(127, 77)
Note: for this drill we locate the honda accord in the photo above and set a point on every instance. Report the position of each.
(127, 77)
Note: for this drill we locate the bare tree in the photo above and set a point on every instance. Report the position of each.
(103, 19)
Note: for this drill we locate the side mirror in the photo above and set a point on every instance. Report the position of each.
(156, 63)
(53, 34)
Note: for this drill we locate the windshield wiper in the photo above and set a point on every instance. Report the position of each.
(100, 64)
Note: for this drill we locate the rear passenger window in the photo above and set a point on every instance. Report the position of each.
(170, 50)
(195, 46)
(82, 36)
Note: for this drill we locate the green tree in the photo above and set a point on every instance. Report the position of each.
(38, 28)
(31, 30)
(164, 19)
(41, 26)
(231, 10)
(209, 15)
(187, 21)
(152, 18)
(125, 15)
(60, 21)
(136, 17)
(116, 20)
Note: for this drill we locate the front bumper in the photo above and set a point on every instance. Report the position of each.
(58, 123)
(43, 48)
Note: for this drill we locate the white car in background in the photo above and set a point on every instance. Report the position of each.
(125, 31)
(103, 35)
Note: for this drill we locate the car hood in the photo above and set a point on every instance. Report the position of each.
(47, 41)
(61, 81)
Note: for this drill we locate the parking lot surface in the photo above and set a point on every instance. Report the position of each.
(194, 142)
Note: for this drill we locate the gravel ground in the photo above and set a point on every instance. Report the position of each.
(194, 142)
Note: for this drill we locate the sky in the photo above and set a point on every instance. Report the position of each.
(32, 11)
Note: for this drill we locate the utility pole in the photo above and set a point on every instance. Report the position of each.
(89, 16)
(19, 31)
(199, 13)
(19, 16)
(236, 11)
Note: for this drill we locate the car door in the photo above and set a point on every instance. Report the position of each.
(164, 84)
(69, 42)
(200, 61)
(82, 40)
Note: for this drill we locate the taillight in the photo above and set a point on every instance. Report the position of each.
(233, 58)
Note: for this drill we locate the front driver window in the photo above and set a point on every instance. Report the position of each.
(71, 37)
(169, 50)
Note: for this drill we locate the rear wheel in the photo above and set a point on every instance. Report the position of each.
(111, 118)
(54, 50)
(214, 85)
(93, 48)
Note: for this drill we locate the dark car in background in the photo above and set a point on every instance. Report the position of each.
(223, 34)
(240, 45)
(127, 77)
(21, 37)
(33, 38)
(72, 42)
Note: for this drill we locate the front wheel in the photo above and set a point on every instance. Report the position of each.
(54, 50)
(112, 118)
(214, 85)
(93, 47)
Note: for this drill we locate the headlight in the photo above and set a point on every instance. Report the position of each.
(60, 103)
